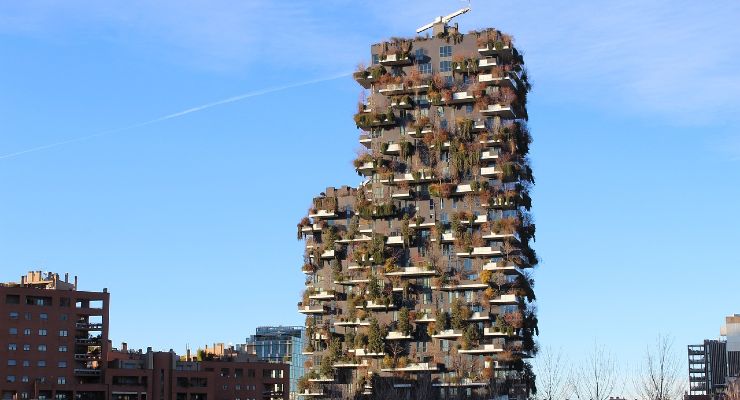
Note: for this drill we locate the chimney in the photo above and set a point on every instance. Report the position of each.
(66, 277)
(124, 347)
(75, 282)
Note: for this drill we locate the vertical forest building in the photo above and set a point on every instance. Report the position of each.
(418, 280)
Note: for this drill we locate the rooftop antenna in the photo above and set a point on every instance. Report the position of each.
(444, 19)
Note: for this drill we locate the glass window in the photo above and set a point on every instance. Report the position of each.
(12, 363)
(445, 51)
(42, 332)
(27, 316)
(41, 363)
(376, 59)
(12, 346)
(27, 332)
(26, 347)
(44, 316)
(63, 333)
(13, 315)
(62, 364)
(425, 68)
(10, 378)
(62, 349)
(25, 379)
(445, 66)
(42, 347)
(61, 380)
(26, 363)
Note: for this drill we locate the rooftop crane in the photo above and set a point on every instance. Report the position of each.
(444, 19)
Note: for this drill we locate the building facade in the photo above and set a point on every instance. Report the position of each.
(280, 344)
(715, 363)
(54, 339)
(417, 280)
(54, 345)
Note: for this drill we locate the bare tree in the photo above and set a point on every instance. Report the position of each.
(596, 377)
(551, 375)
(732, 392)
(658, 377)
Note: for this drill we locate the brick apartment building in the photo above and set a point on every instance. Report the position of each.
(54, 345)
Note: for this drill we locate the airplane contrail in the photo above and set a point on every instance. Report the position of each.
(173, 115)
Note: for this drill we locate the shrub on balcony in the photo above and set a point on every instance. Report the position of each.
(441, 321)
(471, 336)
(375, 336)
(442, 190)
(404, 321)
(460, 313)
(362, 159)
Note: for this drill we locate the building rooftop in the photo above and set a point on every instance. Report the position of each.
(44, 280)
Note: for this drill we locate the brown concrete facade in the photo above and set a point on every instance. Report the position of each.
(418, 282)
(54, 345)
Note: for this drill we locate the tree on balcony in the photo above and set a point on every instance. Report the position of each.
(375, 337)
(404, 321)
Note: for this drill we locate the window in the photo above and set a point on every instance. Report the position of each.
(63, 333)
(425, 68)
(44, 316)
(24, 395)
(25, 379)
(62, 364)
(445, 51)
(27, 332)
(12, 363)
(419, 54)
(27, 316)
(26, 363)
(63, 317)
(41, 363)
(10, 378)
(42, 347)
(13, 315)
(42, 332)
(468, 108)
(12, 299)
(62, 349)
(26, 347)
(445, 66)
(376, 59)
(12, 346)
(61, 380)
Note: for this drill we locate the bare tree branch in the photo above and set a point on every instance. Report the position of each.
(658, 377)
(551, 374)
(596, 377)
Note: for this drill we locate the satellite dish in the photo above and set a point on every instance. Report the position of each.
(445, 19)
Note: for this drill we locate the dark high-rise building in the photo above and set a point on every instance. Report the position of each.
(418, 282)
(280, 344)
(707, 368)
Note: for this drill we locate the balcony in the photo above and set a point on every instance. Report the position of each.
(350, 364)
(485, 63)
(489, 155)
(352, 282)
(323, 295)
(463, 287)
(422, 225)
(89, 327)
(356, 322)
(461, 97)
(495, 49)
(324, 214)
(372, 305)
(328, 254)
(479, 219)
(447, 237)
(312, 309)
(403, 103)
(365, 353)
(392, 88)
(499, 110)
(425, 317)
(487, 251)
(479, 316)
(395, 335)
(322, 379)
(86, 372)
(448, 334)
(366, 168)
(405, 194)
(417, 367)
(496, 80)
(88, 341)
(311, 228)
(506, 269)
(485, 349)
(395, 241)
(366, 140)
(465, 382)
(463, 189)
(420, 133)
(312, 393)
(489, 171)
(396, 59)
(506, 300)
(393, 148)
(87, 357)
(413, 272)
(493, 332)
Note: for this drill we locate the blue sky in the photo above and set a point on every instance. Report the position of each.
(190, 222)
